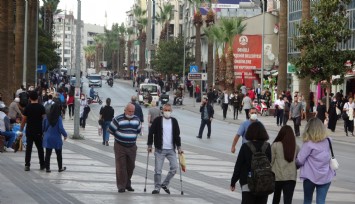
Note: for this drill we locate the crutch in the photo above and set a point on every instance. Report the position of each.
(146, 174)
(182, 192)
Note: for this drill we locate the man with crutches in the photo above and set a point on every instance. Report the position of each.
(165, 133)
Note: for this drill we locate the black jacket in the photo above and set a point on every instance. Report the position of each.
(138, 111)
(209, 110)
(243, 165)
(156, 133)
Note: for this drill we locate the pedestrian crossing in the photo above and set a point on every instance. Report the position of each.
(90, 175)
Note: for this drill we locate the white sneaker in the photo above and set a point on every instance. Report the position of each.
(9, 149)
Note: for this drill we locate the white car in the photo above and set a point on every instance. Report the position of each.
(153, 89)
(95, 80)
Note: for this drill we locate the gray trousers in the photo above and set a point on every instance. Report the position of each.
(125, 158)
(160, 155)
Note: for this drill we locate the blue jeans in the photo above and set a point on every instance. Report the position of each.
(160, 155)
(105, 133)
(321, 192)
(10, 137)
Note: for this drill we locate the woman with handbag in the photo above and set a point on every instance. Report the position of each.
(53, 130)
(314, 161)
(283, 161)
(106, 115)
(348, 116)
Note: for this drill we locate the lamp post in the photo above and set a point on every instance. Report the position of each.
(77, 74)
(24, 79)
(184, 39)
(262, 46)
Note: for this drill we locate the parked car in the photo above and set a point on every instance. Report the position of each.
(95, 80)
(153, 89)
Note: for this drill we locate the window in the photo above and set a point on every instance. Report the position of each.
(181, 12)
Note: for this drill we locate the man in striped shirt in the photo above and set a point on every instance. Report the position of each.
(125, 128)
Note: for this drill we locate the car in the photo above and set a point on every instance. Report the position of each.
(153, 89)
(95, 80)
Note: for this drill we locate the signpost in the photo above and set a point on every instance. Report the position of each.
(193, 69)
(291, 69)
(197, 76)
(42, 68)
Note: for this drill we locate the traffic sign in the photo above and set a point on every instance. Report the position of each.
(131, 68)
(197, 76)
(291, 68)
(193, 69)
(42, 68)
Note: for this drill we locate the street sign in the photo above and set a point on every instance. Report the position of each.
(197, 76)
(42, 68)
(131, 68)
(193, 69)
(291, 69)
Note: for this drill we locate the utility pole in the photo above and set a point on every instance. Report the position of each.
(262, 46)
(184, 34)
(36, 52)
(24, 77)
(77, 74)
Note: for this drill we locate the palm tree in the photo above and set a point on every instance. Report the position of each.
(231, 27)
(31, 43)
(9, 80)
(100, 42)
(164, 18)
(112, 47)
(304, 84)
(218, 38)
(90, 52)
(209, 22)
(122, 44)
(139, 14)
(198, 22)
(19, 41)
(48, 10)
(282, 71)
(129, 49)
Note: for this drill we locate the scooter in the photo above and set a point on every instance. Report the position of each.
(96, 99)
(179, 101)
(110, 82)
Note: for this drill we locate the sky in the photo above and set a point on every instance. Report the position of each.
(93, 11)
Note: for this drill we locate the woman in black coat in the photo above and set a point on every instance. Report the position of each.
(332, 114)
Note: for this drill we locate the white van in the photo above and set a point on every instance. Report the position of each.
(153, 89)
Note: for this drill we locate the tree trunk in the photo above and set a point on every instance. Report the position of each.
(11, 86)
(4, 53)
(210, 64)
(198, 46)
(31, 48)
(305, 82)
(129, 48)
(229, 77)
(222, 72)
(19, 41)
(282, 71)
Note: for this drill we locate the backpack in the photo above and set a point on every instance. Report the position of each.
(23, 99)
(261, 179)
(48, 107)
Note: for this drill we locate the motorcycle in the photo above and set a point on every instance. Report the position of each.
(178, 100)
(110, 82)
(96, 99)
(164, 99)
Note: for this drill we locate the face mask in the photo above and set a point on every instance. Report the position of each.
(129, 116)
(253, 116)
(82, 98)
(167, 114)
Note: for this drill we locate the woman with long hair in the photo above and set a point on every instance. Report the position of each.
(70, 103)
(257, 136)
(284, 150)
(313, 160)
(53, 131)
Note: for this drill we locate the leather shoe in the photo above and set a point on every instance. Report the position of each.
(155, 191)
(27, 168)
(165, 189)
(208, 137)
(199, 137)
(130, 189)
(121, 190)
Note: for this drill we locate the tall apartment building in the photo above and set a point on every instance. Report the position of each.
(65, 35)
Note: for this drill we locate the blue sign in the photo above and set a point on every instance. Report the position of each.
(41, 68)
(193, 69)
(131, 68)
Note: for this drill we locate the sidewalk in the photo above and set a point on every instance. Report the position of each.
(268, 121)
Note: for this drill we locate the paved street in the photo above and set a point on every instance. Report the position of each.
(90, 175)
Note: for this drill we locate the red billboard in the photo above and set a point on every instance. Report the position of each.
(247, 58)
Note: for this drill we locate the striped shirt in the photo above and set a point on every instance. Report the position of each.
(125, 130)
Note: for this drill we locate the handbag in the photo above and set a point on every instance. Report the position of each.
(338, 111)
(345, 116)
(334, 164)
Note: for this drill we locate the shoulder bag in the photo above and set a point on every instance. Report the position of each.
(334, 165)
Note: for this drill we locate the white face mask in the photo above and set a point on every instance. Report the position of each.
(129, 116)
(167, 114)
(253, 116)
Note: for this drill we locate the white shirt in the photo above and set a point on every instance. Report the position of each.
(225, 98)
(280, 103)
(167, 133)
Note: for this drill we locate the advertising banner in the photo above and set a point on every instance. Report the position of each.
(247, 52)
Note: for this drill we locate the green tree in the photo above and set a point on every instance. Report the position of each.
(210, 19)
(46, 50)
(168, 56)
(319, 40)
(164, 18)
(198, 22)
(231, 27)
